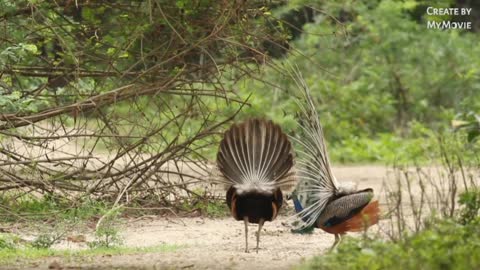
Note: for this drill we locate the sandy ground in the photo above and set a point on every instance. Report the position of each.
(206, 243)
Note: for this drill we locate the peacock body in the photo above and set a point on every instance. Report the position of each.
(255, 159)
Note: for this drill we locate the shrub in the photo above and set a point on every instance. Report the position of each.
(106, 233)
(8, 241)
(470, 200)
(447, 245)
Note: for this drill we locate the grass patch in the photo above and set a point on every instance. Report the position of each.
(9, 255)
(17, 207)
(210, 208)
(215, 209)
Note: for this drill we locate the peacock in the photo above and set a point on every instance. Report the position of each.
(255, 159)
(319, 200)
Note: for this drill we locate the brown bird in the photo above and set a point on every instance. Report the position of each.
(255, 158)
(319, 199)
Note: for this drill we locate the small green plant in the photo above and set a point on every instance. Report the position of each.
(8, 241)
(46, 240)
(470, 201)
(106, 233)
(210, 208)
(214, 208)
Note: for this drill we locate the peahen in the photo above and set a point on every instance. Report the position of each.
(319, 200)
(255, 160)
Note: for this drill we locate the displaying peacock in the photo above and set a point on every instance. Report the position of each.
(255, 159)
(319, 199)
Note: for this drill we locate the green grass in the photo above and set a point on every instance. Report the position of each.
(30, 208)
(210, 208)
(215, 209)
(10, 255)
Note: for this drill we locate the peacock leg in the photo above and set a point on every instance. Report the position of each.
(260, 225)
(338, 238)
(245, 219)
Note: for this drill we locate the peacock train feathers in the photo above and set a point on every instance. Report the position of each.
(319, 200)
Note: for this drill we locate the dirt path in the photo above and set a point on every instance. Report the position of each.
(219, 243)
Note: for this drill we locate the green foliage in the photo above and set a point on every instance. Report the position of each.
(470, 123)
(392, 69)
(386, 148)
(374, 76)
(45, 240)
(375, 79)
(470, 201)
(8, 241)
(47, 236)
(214, 209)
(447, 245)
(95, 47)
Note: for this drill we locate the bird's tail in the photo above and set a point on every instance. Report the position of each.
(317, 184)
(256, 155)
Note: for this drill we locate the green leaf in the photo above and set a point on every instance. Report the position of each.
(16, 95)
(111, 51)
(473, 134)
(32, 48)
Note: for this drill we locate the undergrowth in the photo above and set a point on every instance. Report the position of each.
(26, 207)
(420, 146)
(445, 244)
(209, 208)
(106, 232)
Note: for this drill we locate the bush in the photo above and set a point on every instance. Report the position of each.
(45, 240)
(443, 244)
(470, 200)
(448, 245)
(8, 241)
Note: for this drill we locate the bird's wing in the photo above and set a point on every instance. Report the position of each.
(317, 185)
